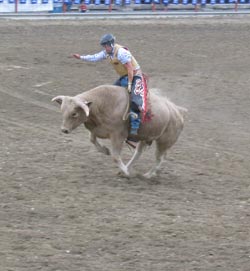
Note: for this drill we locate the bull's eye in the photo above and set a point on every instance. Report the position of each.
(74, 115)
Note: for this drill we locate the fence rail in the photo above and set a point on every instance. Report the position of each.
(72, 5)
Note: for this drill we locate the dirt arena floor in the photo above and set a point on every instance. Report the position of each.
(63, 206)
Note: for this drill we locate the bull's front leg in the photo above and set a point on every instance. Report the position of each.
(116, 148)
(99, 147)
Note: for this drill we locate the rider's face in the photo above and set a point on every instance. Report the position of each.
(108, 48)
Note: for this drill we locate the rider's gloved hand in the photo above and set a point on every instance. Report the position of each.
(129, 87)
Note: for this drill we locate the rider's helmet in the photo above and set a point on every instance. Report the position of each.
(107, 39)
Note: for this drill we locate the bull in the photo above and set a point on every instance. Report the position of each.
(102, 110)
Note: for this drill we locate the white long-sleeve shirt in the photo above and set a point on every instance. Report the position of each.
(123, 55)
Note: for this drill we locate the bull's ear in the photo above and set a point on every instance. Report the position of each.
(58, 99)
(84, 105)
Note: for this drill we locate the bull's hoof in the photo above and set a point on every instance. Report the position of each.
(148, 179)
(150, 175)
(123, 175)
(105, 150)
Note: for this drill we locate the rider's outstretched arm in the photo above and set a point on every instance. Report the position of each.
(92, 58)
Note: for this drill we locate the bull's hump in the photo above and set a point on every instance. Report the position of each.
(106, 90)
(110, 87)
(106, 96)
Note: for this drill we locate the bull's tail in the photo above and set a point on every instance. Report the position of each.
(182, 110)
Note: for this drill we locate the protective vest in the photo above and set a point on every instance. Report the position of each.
(117, 65)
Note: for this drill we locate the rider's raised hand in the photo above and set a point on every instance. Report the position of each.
(76, 56)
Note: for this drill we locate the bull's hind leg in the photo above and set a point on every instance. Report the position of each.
(160, 154)
(136, 155)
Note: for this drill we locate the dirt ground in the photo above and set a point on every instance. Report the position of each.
(63, 206)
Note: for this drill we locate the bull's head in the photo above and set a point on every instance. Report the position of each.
(74, 111)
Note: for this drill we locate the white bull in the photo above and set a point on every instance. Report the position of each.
(102, 111)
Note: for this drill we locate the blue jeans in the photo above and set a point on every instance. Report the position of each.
(122, 82)
(136, 100)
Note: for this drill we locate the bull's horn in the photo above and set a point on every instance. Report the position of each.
(84, 106)
(58, 99)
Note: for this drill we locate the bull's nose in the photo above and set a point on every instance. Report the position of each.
(64, 130)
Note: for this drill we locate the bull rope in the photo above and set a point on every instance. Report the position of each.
(126, 113)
